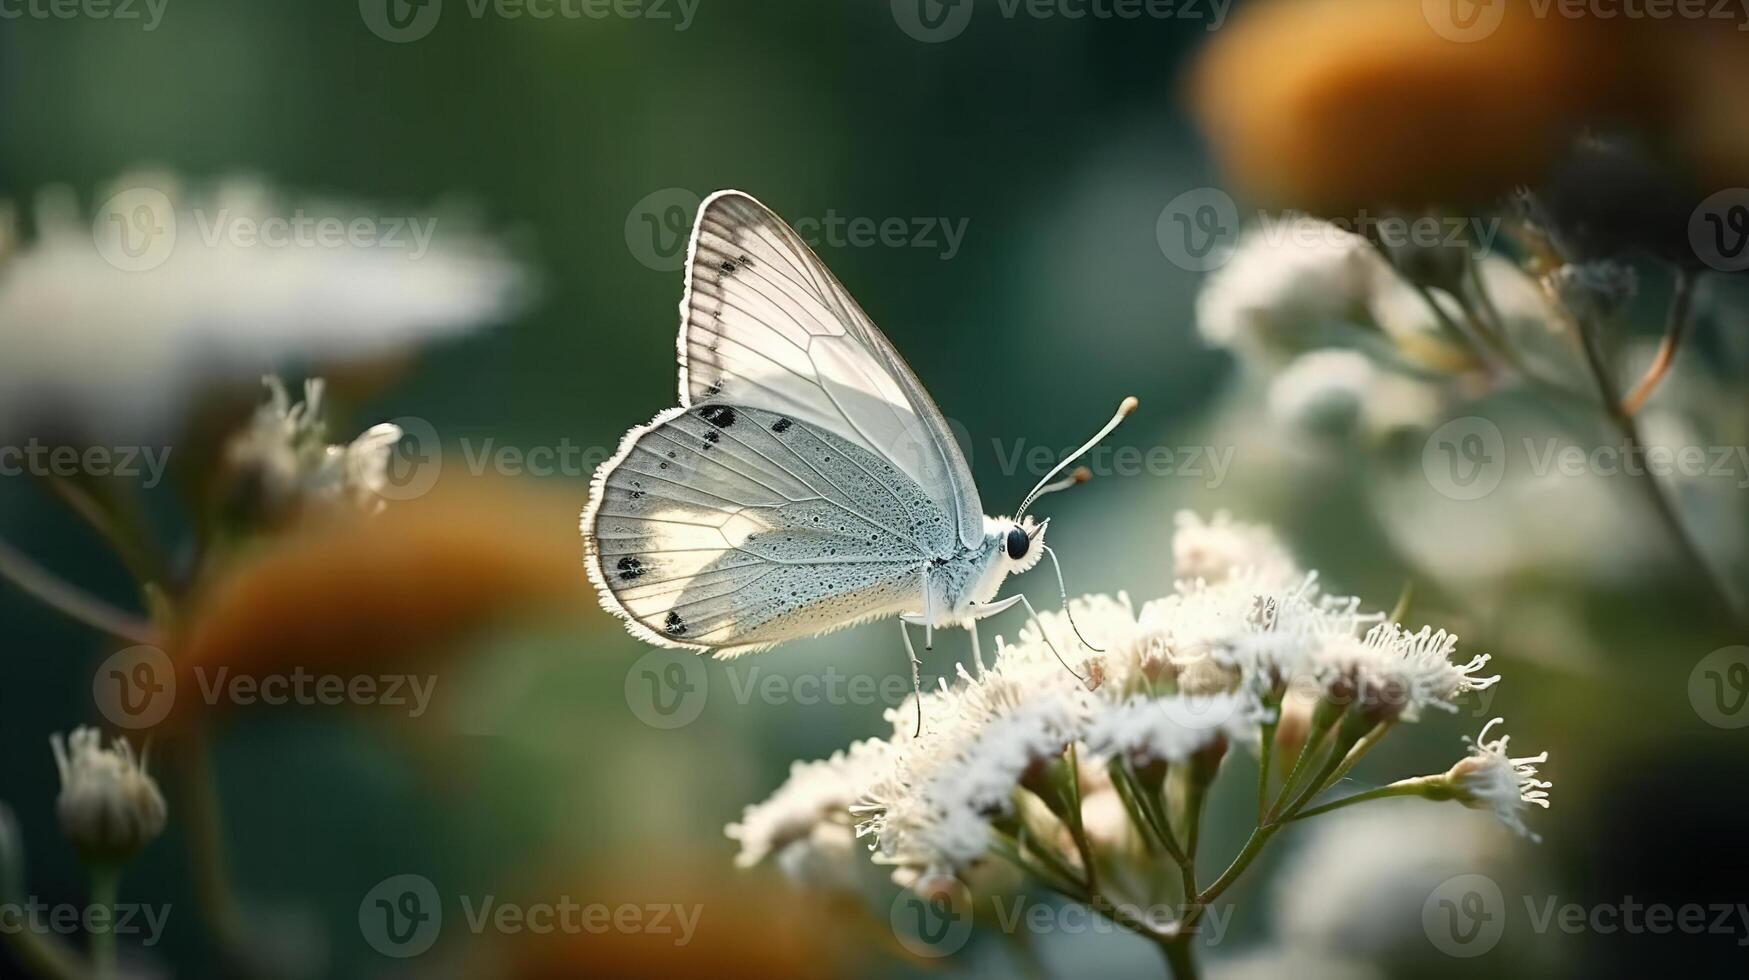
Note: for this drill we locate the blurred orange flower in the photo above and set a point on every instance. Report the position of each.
(1334, 106)
(349, 594)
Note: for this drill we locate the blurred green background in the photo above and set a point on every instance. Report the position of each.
(1057, 143)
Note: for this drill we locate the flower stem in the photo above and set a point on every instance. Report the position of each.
(1675, 328)
(1180, 958)
(1657, 495)
(1407, 787)
(68, 599)
(105, 884)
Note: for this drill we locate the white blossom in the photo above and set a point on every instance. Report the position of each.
(1489, 778)
(286, 457)
(92, 347)
(109, 808)
(1281, 280)
(1213, 550)
(1337, 394)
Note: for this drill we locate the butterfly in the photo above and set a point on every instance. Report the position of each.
(806, 481)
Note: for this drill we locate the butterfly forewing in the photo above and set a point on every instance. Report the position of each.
(729, 528)
(765, 324)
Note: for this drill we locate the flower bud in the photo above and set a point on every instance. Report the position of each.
(109, 807)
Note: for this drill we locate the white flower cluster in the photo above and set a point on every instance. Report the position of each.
(100, 351)
(286, 453)
(1189, 673)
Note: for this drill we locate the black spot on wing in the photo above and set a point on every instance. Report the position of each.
(674, 625)
(781, 425)
(630, 569)
(721, 416)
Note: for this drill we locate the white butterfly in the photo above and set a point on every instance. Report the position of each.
(806, 482)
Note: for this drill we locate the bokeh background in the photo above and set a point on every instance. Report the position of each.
(544, 768)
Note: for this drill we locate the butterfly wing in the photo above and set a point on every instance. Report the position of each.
(764, 324)
(729, 528)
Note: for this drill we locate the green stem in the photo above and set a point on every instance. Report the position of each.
(1077, 828)
(1657, 496)
(1180, 958)
(105, 884)
(116, 517)
(1407, 787)
(1324, 718)
(70, 600)
(1248, 853)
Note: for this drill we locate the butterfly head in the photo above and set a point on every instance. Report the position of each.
(1023, 544)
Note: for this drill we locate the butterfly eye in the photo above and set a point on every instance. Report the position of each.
(1017, 543)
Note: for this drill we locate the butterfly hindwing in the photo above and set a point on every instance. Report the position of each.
(730, 528)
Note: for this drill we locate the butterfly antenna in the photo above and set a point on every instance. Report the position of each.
(1046, 486)
(1064, 593)
(1076, 477)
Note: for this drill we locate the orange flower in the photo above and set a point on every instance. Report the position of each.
(1335, 106)
(352, 595)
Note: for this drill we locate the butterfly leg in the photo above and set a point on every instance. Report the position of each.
(928, 613)
(916, 673)
(977, 655)
(989, 609)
